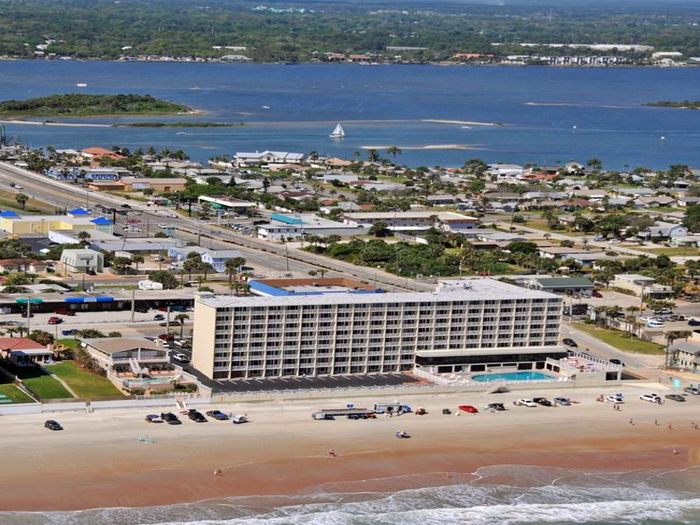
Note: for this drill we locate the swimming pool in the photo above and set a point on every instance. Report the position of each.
(513, 376)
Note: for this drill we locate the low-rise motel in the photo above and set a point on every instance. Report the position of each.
(466, 325)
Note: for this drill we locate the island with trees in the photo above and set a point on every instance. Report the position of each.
(680, 104)
(84, 105)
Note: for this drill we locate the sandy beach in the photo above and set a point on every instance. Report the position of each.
(99, 461)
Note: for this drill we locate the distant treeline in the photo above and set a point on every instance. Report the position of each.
(75, 104)
(275, 32)
(684, 104)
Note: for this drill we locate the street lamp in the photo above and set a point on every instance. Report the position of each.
(29, 301)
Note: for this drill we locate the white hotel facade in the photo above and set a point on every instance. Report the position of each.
(468, 325)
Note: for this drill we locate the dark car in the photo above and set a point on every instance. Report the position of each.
(70, 331)
(166, 337)
(55, 320)
(153, 418)
(24, 314)
(499, 407)
(217, 414)
(170, 418)
(596, 293)
(52, 425)
(694, 322)
(675, 397)
(368, 415)
(543, 401)
(64, 311)
(158, 317)
(196, 416)
(617, 362)
(569, 342)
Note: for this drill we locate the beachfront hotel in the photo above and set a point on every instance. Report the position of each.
(467, 325)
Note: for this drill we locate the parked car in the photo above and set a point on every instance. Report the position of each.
(367, 415)
(654, 324)
(70, 331)
(596, 293)
(158, 317)
(64, 311)
(153, 418)
(562, 401)
(615, 398)
(617, 362)
(569, 342)
(55, 320)
(543, 401)
(692, 390)
(166, 337)
(217, 414)
(196, 416)
(651, 398)
(525, 403)
(52, 425)
(182, 358)
(468, 409)
(239, 420)
(24, 314)
(320, 416)
(675, 397)
(170, 418)
(499, 407)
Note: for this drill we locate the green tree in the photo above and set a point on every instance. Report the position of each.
(394, 151)
(380, 229)
(167, 279)
(181, 318)
(22, 199)
(232, 267)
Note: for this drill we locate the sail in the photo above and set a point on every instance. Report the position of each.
(338, 131)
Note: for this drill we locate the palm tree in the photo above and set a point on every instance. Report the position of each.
(233, 266)
(137, 259)
(181, 318)
(83, 237)
(372, 155)
(393, 151)
(22, 199)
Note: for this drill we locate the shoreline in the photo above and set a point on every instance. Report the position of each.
(105, 459)
(440, 64)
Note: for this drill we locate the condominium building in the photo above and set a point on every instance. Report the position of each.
(465, 325)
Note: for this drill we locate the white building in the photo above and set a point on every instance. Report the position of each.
(259, 158)
(288, 227)
(76, 260)
(470, 325)
(412, 221)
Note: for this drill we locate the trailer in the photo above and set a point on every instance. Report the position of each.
(391, 408)
(332, 413)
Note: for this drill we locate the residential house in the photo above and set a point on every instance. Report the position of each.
(245, 159)
(158, 185)
(218, 258)
(24, 352)
(663, 230)
(686, 355)
(655, 201)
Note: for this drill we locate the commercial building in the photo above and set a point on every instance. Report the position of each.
(642, 286)
(16, 224)
(82, 260)
(413, 221)
(289, 227)
(310, 286)
(466, 325)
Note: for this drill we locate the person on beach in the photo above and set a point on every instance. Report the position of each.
(675, 452)
(218, 473)
(332, 454)
(656, 422)
(631, 421)
(670, 426)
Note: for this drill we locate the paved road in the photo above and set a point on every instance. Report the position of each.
(69, 195)
(602, 350)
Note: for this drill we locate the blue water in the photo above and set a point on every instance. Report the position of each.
(512, 376)
(498, 495)
(387, 105)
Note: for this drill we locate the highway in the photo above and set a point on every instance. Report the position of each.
(272, 256)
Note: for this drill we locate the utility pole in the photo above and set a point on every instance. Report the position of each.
(167, 321)
(133, 304)
(29, 315)
(286, 257)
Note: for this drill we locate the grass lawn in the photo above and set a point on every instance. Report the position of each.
(621, 341)
(86, 384)
(69, 343)
(44, 386)
(13, 393)
(7, 201)
(673, 251)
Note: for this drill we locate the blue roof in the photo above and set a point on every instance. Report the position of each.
(102, 221)
(285, 219)
(8, 214)
(79, 211)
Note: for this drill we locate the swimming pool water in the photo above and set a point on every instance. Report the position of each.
(512, 376)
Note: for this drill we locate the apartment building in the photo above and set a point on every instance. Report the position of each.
(465, 325)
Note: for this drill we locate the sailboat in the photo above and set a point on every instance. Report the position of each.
(338, 132)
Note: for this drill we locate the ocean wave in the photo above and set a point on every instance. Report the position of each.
(500, 495)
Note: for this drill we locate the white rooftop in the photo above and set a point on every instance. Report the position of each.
(447, 291)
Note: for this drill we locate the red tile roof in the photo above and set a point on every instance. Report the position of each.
(19, 343)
